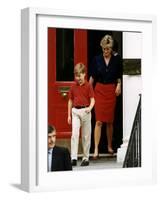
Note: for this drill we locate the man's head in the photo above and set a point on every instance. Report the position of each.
(51, 136)
(80, 73)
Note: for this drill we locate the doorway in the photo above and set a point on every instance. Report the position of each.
(93, 49)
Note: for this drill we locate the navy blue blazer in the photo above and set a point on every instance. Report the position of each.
(61, 160)
(106, 73)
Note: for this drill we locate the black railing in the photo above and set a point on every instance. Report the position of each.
(133, 154)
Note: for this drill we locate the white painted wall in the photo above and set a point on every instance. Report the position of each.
(132, 45)
(131, 84)
(131, 89)
(132, 48)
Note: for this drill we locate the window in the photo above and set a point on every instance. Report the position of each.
(64, 54)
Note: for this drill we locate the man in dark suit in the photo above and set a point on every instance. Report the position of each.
(58, 157)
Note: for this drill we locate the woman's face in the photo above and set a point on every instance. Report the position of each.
(107, 51)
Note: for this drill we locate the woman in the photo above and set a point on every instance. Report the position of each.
(106, 73)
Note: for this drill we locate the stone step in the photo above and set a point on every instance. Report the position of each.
(101, 163)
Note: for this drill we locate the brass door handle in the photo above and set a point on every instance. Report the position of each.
(64, 91)
(64, 94)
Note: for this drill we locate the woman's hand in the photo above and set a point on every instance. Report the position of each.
(118, 89)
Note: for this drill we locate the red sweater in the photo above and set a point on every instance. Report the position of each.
(81, 94)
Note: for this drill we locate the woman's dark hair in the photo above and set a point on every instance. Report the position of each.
(51, 129)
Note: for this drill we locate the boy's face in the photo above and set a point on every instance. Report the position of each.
(80, 78)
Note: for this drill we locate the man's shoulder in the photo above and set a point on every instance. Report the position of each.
(61, 149)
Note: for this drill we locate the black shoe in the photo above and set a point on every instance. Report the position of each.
(84, 163)
(74, 162)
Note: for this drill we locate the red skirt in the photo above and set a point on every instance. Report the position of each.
(105, 101)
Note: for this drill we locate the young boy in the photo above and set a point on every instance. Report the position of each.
(80, 104)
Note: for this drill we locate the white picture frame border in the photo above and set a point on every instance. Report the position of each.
(30, 171)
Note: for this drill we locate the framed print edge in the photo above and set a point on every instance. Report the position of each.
(28, 100)
(30, 169)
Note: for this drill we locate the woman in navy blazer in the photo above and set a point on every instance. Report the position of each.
(105, 72)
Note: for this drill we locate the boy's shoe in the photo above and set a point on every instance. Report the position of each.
(74, 162)
(84, 163)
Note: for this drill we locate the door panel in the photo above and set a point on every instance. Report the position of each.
(66, 47)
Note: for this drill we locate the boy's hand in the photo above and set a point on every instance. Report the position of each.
(69, 120)
(88, 110)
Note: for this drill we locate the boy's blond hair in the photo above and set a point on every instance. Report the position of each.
(79, 68)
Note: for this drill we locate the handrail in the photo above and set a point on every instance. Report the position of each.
(133, 154)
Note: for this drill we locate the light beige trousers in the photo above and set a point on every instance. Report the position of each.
(80, 119)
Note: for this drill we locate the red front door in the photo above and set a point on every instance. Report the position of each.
(66, 47)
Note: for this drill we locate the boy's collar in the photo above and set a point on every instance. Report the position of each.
(82, 84)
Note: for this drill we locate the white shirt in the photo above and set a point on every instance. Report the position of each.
(50, 151)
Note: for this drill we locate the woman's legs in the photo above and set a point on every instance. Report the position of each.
(97, 136)
(109, 133)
